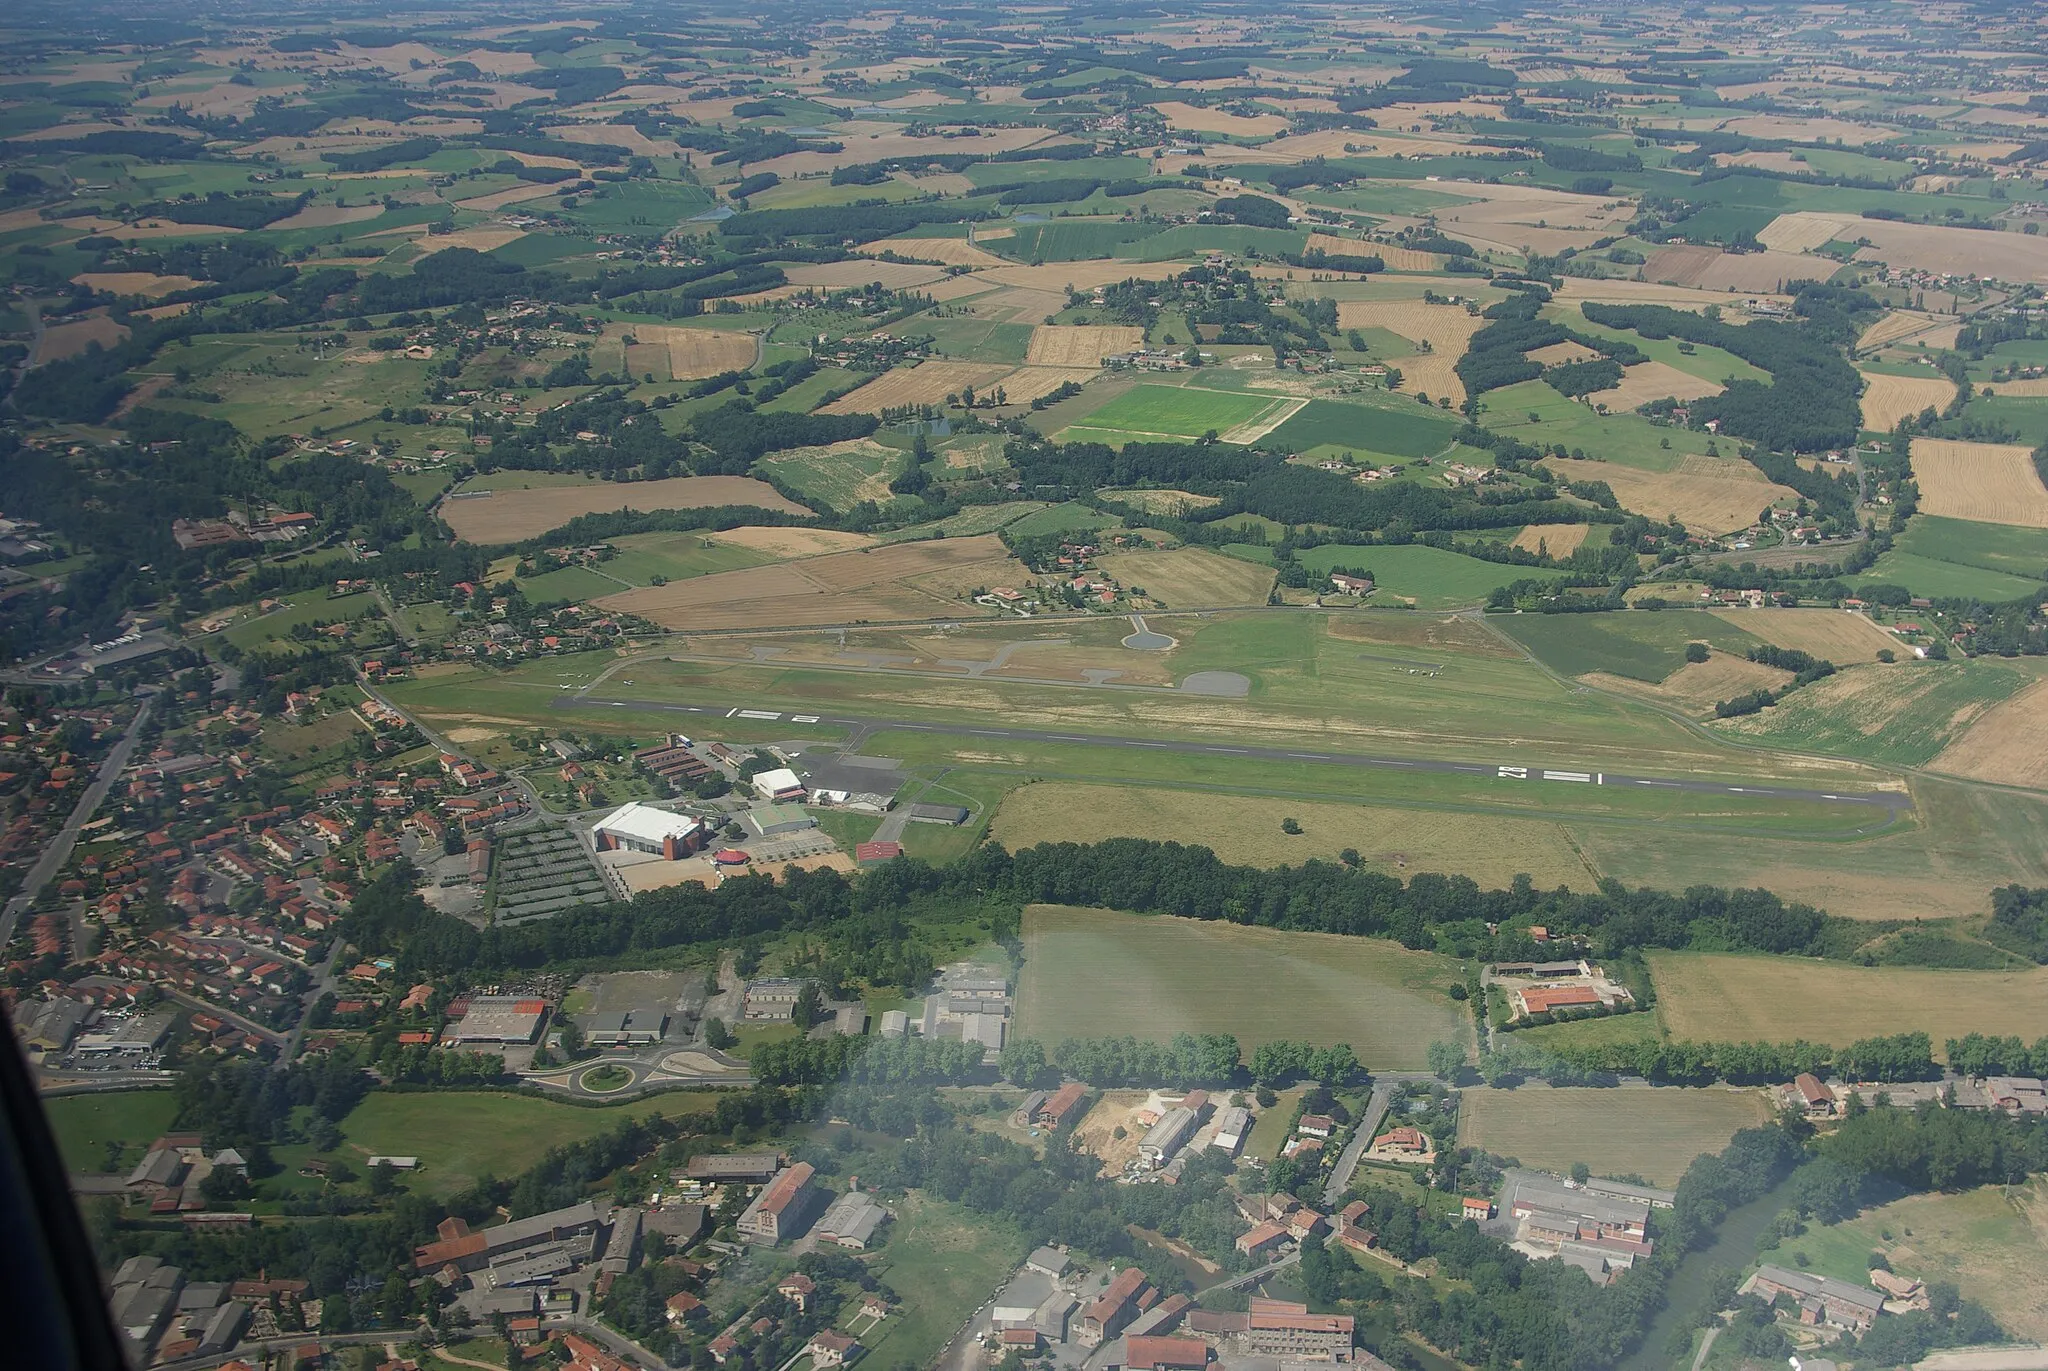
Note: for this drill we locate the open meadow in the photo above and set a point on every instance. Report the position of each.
(1154, 412)
(1096, 973)
(1650, 1132)
(1245, 830)
(1725, 997)
(1189, 578)
(1711, 494)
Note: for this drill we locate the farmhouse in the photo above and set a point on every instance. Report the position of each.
(1808, 1094)
(1262, 1240)
(640, 827)
(1057, 1110)
(2016, 1094)
(1821, 1299)
(1542, 999)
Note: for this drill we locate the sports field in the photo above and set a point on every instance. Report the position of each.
(1094, 973)
(1245, 830)
(1151, 411)
(1725, 997)
(1653, 1133)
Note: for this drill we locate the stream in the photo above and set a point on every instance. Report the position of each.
(1734, 1245)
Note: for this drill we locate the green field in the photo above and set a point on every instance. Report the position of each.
(952, 1260)
(1626, 438)
(1995, 547)
(307, 607)
(1943, 580)
(461, 1135)
(676, 556)
(1652, 1133)
(1094, 973)
(1638, 644)
(1987, 1240)
(1072, 517)
(1430, 577)
(1150, 411)
(1410, 431)
(1904, 718)
(86, 1125)
(840, 476)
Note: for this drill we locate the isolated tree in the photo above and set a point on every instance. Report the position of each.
(1446, 1059)
(1695, 652)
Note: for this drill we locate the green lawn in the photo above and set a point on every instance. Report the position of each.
(1410, 431)
(86, 1124)
(1431, 577)
(945, 1261)
(1990, 547)
(1172, 412)
(1638, 644)
(461, 1135)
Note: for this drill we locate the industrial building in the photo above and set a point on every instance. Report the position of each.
(773, 820)
(772, 999)
(783, 1209)
(851, 1220)
(502, 1019)
(638, 827)
(778, 785)
(1167, 1136)
(1821, 1299)
(1232, 1125)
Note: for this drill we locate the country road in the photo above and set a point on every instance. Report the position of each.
(1512, 770)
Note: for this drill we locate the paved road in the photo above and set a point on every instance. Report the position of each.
(1513, 771)
(58, 850)
(322, 982)
(1347, 1161)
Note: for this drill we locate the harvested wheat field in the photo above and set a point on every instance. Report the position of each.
(1080, 345)
(506, 516)
(1190, 578)
(1705, 268)
(1991, 483)
(895, 582)
(697, 353)
(1026, 384)
(844, 275)
(1578, 290)
(1697, 686)
(1446, 328)
(928, 384)
(1888, 399)
(1409, 259)
(68, 340)
(482, 239)
(1353, 247)
(2018, 390)
(1940, 249)
(326, 216)
(1557, 354)
(1647, 381)
(1170, 502)
(1057, 276)
(511, 196)
(1561, 539)
(1899, 324)
(2007, 745)
(1716, 997)
(1431, 374)
(144, 283)
(791, 542)
(1841, 637)
(1709, 494)
(1185, 116)
(952, 252)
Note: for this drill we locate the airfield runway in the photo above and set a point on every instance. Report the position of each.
(1517, 771)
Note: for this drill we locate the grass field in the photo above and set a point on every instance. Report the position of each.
(86, 1124)
(1939, 579)
(952, 1260)
(459, 1136)
(1652, 1133)
(841, 475)
(1094, 973)
(1723, 997)
(1425, 577)
(307, 607)
(1903, 716)
(1991, 547)
(1992, 1241)
(1409, 431)
(1637, 644)
(1245, 830)
(676, 556)
(1149, 411)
